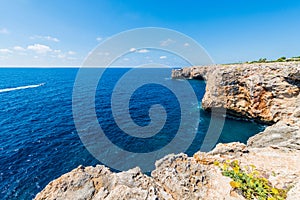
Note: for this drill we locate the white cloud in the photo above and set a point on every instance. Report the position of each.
(71, 52)
(57, 51)
(163, 57)
(18, 48)
(39, 48)
(143, 51)
(167, 42)
(53, 39)
(186, 44)
(4, 31)
(61, 56)
(126, 59)
(139, 51)
(99, 39)
(5, 51)
(48, 38)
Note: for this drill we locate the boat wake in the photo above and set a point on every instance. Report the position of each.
(20, 88)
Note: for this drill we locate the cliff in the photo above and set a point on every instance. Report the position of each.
(266, 93)
(263, 92)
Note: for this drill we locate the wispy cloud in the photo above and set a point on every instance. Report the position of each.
(4, 31)
(143, 51)
(5, 51)
(57, 51)
(163, 57)
(166, 42)
(132, 49)
(39, 53)
(19, 48)
(186, 44)
(39, 48)
(99, 39)
(139, 50)
(71, 52)
(61, 56)
(47, 38)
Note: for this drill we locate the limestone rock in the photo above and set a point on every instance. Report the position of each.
(281, 134)
(179, 176)
(195, 72)
(100, 183)
(294, 192)
(263, 92)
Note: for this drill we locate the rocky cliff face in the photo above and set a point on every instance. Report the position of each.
(267, 93)
(263, 92)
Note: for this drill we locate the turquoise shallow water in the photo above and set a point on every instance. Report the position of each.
(38, 138)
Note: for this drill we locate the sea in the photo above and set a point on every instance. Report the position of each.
(38, 138)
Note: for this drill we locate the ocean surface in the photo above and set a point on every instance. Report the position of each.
(38, 138)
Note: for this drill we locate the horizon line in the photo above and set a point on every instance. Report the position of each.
(76, 66)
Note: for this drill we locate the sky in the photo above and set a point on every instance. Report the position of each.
(62, 33)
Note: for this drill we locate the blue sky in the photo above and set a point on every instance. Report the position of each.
(56, 32)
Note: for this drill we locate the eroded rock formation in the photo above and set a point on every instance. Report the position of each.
(179, 176)
(263, 92)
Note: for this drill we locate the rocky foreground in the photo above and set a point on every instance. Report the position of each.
(267, 93)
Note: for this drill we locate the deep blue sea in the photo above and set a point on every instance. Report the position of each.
(38, 138)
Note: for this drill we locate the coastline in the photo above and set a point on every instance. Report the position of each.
(267, 93)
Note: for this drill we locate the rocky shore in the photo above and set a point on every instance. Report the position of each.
(268, 93)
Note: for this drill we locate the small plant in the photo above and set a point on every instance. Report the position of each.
(250, 182)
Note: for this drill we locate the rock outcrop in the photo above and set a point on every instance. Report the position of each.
(267, 93)
(179, 177)
(199, 73)
(264, 92)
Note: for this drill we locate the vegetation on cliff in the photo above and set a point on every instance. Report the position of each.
(250, 182)
(281, 59)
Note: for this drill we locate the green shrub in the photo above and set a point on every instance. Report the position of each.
(262, 60)
(282, 59)
(296, 57)
(250, 182)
